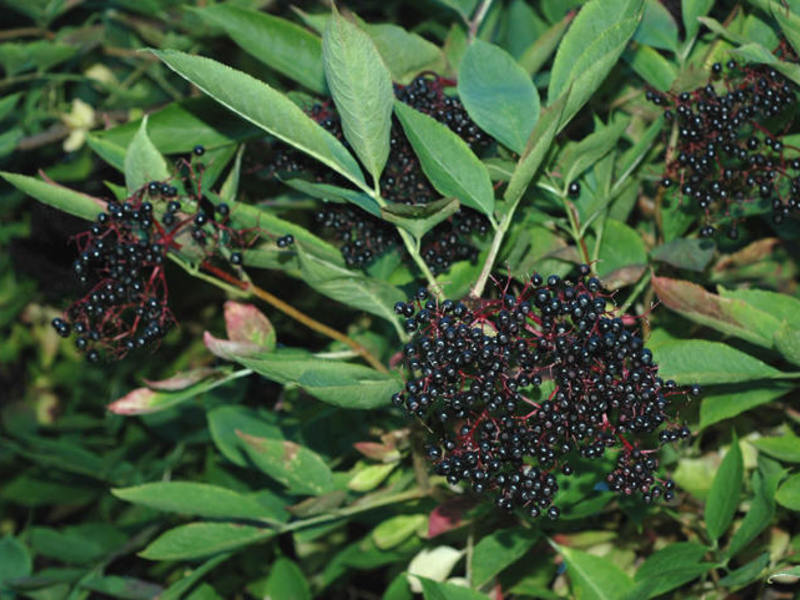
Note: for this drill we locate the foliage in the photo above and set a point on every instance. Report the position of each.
(324, 165)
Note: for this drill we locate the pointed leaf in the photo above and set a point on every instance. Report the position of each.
(419, 219)
(65, 199)
(197, 540)
(245, 323)
(143, 161)
(724, 495)
(703, 362)
(446, 160)
(788, 494)
(498, 94)
(263, 106)
(361, 87)
(593, 577)
(280, 44)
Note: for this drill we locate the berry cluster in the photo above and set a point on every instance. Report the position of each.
(730, 150)
(121, 260)
(363, 236)
(515, 389)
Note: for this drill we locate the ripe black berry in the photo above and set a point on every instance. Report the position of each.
(199, 150)
(574, 189)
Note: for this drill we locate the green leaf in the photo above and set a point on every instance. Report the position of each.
(728, 315)
(196, 499)
(143, 161)
(419, 219)
(287, 582)
(669, 568)
(498, 550)
(395, 530)
(787, 342)
(718, 405)
(127, 588)
(690, 11)
(577, 157)
(704, 362)
(293, 465)
(225, 421)
(621, 247)
(747, 573)
(785, 448)
(61, 198)
(327, 191)
(198, 540)
(760, 513)
(265, 107)
(756, 53)
(77, 544)
(589, 50)
(498, 94)
(434, 590)
(178, 590)
(405, 54)
(657, 29)
(15, 560)
(725, 490)
(349, 386)
(447, 160)
(651, 66)
(691, 254)
(788, 494)
(280, 44)
(361, 87)
(538, 145)
(781, 306)
(538, 53)
(593, 577)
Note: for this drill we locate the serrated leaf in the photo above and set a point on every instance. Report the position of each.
(265, 107)
(728, 315)
(143, 161)
(446, 160)
(590, 48)
(361, 87)
(723, 498)
(280, 44)
(498, 94)
(704, 362)
(62, 198)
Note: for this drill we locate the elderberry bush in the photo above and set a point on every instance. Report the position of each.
(514, 389)
(730, 151)
(362, 236)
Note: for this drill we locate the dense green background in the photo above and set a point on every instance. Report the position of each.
(98, 504)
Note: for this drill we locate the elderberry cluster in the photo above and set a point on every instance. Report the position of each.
(516, 389)
(363, 236)
(121, 260)
(730, 150)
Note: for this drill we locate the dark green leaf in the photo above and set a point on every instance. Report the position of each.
(538, 53)
(621, 247)
(198, 540)
(725, 490)
(498, 94)
(720, 404)
(760, 513)
(126, 588)
(433, 590)
(405, 54)
(498, 550)
(326, 191)
(15, 560)
(262, 105)
(692, 254)
(447, 160)
(756, 53)
(361, 87)
(280, 44)
(593, 577)
(747, 573)
(225, 421)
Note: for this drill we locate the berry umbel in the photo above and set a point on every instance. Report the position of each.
(518, 390)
